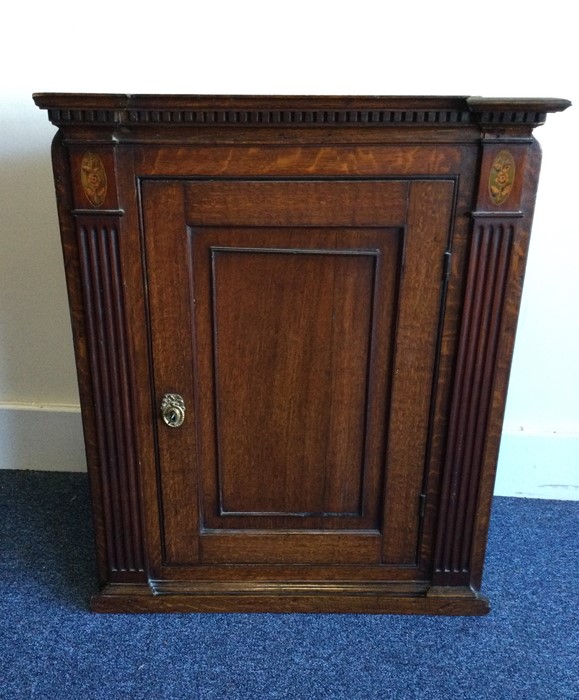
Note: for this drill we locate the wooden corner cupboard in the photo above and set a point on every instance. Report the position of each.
(293, 321)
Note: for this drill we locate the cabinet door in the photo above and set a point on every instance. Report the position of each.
(298, 320)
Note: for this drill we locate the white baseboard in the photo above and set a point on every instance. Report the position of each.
(42, 438)
(49, 438)
(538, 465)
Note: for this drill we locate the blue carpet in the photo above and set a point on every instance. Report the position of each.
(52, 647)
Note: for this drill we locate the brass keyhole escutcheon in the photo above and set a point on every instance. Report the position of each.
(173, 410)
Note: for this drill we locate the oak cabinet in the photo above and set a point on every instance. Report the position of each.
(293, 322)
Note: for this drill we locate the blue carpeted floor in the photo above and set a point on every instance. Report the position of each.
(52, 647)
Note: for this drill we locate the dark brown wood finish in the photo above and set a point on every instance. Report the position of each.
(332, 286)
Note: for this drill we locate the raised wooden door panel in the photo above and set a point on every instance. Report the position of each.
(298, 319)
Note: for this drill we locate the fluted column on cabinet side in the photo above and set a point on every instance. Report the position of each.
(485, 295)
(106, 364)
(98, 245)
(491, 297)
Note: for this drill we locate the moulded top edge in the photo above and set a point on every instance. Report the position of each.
(63, 100)
(70, 110)
(504, 104)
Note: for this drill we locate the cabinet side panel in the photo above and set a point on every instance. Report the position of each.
(68, 234)
(91, 233)
(504, 355)
(496, 262)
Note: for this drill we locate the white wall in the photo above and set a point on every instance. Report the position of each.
(514, 48)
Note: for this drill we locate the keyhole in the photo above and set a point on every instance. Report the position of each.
(173, 410)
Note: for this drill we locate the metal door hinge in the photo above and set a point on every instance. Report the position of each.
(422, 505)
(446, 265)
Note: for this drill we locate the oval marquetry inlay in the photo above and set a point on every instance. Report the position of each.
(93, 178)
(502, 177)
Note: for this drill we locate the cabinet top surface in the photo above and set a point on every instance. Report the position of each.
(126, 101)
(299, 110)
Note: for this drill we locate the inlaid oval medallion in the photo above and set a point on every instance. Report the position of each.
(502, 177)
(93, 178)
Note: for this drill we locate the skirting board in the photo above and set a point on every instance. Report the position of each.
(538, 465)
(49, 438)
(41, 438)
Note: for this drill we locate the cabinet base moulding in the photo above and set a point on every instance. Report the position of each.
(292, 598)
